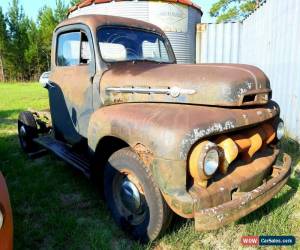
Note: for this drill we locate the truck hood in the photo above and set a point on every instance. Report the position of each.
(205, 84)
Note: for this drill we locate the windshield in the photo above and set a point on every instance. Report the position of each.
(126, 44)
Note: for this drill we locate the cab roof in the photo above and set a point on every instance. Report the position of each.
(94, 21)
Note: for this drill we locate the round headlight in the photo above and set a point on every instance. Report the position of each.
(1, 219)
(203, 162)
(280, 130)
(211, 162)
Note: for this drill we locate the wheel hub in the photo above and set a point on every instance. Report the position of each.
(23, 136)
(130, 196)
(23, 132)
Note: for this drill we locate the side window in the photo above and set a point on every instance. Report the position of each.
(73, 49)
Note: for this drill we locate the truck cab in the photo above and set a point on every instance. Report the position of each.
(162, 138)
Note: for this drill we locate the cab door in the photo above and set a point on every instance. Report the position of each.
(71, 78)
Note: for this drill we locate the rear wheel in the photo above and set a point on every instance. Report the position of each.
(134, 198)
(27, 130)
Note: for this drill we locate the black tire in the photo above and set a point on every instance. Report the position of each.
(153, 215)
(27, 130)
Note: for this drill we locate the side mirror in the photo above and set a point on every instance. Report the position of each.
(44, 79)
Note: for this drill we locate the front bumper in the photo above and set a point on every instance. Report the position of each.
(6, 231)
(243, 203)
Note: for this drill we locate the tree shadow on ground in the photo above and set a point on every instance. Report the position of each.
(6, 117)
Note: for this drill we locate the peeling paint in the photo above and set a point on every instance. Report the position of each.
(198, 133)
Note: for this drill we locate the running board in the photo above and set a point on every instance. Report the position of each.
(37, 154)
(64, 152)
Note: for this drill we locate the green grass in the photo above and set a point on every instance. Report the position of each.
(55, 207)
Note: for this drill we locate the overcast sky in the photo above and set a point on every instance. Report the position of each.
(32, 7)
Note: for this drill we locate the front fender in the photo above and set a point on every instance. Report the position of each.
(169, 131)
(148, 125)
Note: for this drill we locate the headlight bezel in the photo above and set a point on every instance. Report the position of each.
(200, 154)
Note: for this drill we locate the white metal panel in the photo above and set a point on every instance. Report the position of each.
(269, 39)
(129, 9)
(218, 43)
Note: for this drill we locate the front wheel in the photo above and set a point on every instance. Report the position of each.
(27, 130)
(134, 198)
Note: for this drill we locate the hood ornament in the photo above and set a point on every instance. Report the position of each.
(172, 91)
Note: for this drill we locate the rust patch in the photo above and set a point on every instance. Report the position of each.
(144, 153)
(180, 207)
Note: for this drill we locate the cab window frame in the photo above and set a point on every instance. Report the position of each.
(82, 33)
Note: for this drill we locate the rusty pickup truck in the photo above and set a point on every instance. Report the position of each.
(161, 138)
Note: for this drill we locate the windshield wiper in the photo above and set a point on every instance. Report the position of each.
(148, 60)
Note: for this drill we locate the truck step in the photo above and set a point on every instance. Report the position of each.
(64, 152)
(38, 153)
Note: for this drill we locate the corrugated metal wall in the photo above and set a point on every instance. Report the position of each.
(269, 39)
(218, 42)
(183, 43)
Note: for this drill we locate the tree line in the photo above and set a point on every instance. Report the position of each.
(25, 44)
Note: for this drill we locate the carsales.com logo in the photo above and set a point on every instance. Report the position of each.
(268, 240)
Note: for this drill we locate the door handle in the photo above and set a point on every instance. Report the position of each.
(91, 79)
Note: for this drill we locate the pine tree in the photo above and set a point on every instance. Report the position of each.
(3, 44)
(61, 11)
(46, 24)
(74, 2)
(18, 41)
